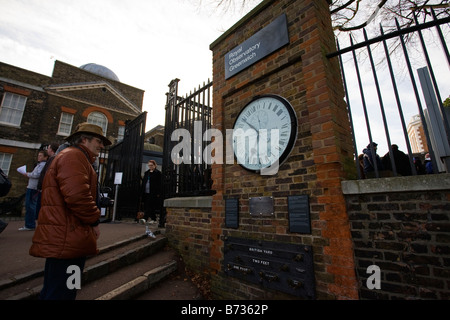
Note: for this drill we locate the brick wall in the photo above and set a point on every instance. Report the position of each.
(66, 73)
(188, 230)
(19, 182)
(22, 75)
(402, 225)
(30, 129)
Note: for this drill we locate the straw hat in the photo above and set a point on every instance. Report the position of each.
(90, 129)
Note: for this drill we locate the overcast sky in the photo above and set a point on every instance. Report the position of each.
(146, 43)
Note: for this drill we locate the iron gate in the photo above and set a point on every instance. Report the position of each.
(126, 157)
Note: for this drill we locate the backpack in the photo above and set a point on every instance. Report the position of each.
(5, 184)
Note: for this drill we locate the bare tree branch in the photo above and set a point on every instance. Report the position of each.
(351, 15)
(369, 20)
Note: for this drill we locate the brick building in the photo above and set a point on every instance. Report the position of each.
(37, 110)
(416, 135)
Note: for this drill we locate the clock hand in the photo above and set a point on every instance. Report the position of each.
(253, 127)
(257, 132)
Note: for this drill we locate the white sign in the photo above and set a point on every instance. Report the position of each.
(118, 178)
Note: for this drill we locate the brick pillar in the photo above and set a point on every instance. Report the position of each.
(332, 147)
(319, 161)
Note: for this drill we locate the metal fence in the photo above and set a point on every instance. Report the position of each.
(387, 105)
(125, 158)
(187, 119)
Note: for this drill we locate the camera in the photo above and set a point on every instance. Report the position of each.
(106, 202)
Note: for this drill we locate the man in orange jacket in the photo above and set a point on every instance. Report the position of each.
(68, 230)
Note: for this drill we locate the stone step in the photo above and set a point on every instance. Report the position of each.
(112, 268)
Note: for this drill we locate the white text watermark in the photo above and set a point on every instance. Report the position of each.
(74, 280)
(257, 149)
(374, 281)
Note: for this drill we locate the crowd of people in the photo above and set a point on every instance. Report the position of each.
(62, 206)
(370, 162)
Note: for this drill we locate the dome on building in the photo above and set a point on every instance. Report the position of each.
(152, 147)
(100, 70)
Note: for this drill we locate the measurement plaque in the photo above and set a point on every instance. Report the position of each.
(285, 267)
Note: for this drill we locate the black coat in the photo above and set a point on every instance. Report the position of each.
(155, 183)
(401, 161)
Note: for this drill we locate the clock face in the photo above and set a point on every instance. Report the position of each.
(264, 133)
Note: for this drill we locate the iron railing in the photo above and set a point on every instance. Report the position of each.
(187, 119)
(437, 139)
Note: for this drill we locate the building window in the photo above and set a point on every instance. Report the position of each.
(99, 119)
(12, 108)
(5, 162)
(65, 124)
(121, 133)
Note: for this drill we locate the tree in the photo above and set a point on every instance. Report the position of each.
(447, 102)
(350, 15)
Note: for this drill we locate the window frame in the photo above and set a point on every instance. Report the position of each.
(120, 133)
(8, 162)
(12, 109)
(97, 115)
(71, 116)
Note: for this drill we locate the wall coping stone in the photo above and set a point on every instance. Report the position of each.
(189, 202)
(397, 184)
(22, 84)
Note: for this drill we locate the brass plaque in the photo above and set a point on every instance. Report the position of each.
(261, 206)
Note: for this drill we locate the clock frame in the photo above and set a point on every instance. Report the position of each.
(257, 119)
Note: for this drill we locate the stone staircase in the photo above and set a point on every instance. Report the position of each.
(122, 271)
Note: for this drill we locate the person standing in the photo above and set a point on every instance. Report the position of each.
(68, 224)
(420, 168)
(5, 186)
(371, 160)
(32, 196)
(361, 166)
(428, 164)
(151, 191)
(401, 161)
(51, 151)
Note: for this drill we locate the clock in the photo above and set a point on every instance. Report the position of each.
(264, 133)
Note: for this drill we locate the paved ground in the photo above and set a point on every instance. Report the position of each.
(14, 245)
(15, 259)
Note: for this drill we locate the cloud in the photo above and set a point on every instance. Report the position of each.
(146, 43)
